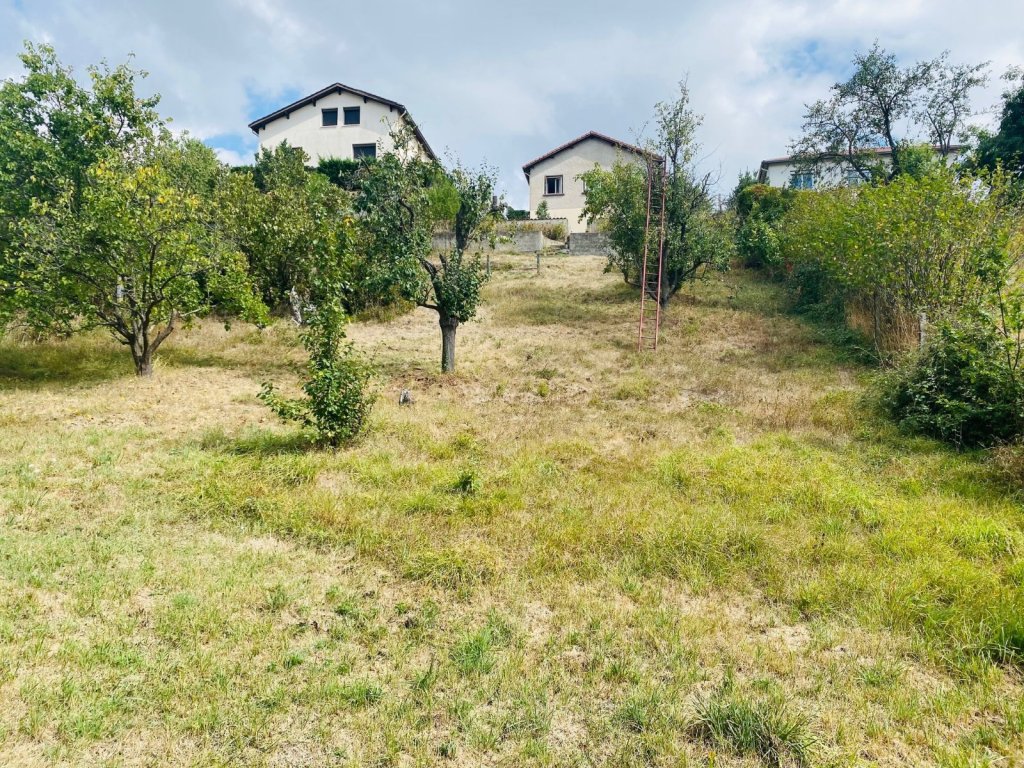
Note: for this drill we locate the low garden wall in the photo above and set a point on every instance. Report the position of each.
(513, 237)
(589, 244)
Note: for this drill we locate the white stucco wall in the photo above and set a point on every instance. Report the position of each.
(569, 164)
(303, 128)
(780, 174)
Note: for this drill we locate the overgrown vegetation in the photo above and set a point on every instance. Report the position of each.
(492, 576)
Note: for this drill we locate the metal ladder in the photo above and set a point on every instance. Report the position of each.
(654, 257)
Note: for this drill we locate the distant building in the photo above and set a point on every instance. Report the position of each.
(337, 121)
(787, 171)
(552, 176)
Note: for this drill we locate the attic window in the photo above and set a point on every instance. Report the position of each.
(330, 117)
(552, 185)
(351, 115)
(364, 151)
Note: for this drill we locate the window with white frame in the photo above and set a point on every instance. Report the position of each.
(802, 180)
(853, 178)
(552, 185)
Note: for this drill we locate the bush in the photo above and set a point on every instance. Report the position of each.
(554, 231)
(963, 388)
(935, 244)
(542, 210)
(758, 243)
(759, 209)
(337, 402)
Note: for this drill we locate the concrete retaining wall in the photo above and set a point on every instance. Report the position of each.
(514, 237)
(590, 244)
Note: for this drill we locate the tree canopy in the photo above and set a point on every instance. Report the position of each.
(886, 105)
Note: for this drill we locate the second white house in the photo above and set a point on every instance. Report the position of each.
(553, 176)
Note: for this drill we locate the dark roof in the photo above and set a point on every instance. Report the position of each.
(339, 88)
(579, 140)
(953, 148)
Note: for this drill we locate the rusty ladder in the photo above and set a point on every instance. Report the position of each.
(653, 258)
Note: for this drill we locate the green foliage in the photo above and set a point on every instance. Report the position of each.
(935, 245)
(1005, 147)
(105, 220)
(139, 249)
(516, 214)
(542, 210)
(766, 729)
(759, 209)
(402, 199)
(337, 402)
(696, 239)
(296, 228)
(342, 171)
(964, 388)
(555, 231)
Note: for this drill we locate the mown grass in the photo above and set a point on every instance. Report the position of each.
(715, 553)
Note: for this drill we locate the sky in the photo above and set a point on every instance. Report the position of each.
(502, 83)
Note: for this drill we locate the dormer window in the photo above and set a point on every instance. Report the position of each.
(351, 115)
(329, 118)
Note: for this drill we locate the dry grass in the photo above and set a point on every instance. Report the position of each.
(565, 554)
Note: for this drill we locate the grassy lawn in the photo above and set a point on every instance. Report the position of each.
(566, 554)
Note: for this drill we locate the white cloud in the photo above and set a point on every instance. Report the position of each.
(231, 157)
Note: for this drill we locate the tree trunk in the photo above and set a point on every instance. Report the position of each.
(448, 327)
(142, 355)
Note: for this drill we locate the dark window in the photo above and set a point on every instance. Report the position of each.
(351, 115)
(802, 180)
(552, 185)
(360, 151)
(330, 117)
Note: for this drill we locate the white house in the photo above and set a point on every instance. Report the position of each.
(337, 121)
(788, 172)
(552, 176)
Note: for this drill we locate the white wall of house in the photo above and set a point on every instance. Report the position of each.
(568, 164)
(781, 174)
(785, 173)
(304, 127)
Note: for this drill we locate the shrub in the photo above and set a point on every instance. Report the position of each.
(934, 244)
(963, 388)
(542, 210)
(759, 209)
(554, 231)
(337, 402)
(758, 243)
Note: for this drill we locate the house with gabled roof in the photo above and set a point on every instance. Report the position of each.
(338, 121)
(553, 176)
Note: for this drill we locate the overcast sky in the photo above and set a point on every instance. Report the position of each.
(505, 82)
